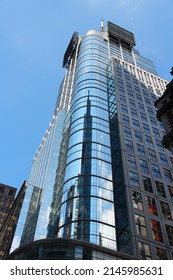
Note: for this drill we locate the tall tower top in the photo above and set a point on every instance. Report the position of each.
(120, 35)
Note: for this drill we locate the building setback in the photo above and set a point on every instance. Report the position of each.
(101, 177)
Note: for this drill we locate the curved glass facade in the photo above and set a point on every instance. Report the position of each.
(86, 208)
(65, 249)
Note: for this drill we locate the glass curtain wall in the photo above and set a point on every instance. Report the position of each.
(86, 208)
(34, 216)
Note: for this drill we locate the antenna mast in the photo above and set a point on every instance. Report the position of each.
(102, 25)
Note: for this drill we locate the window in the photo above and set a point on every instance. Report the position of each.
(156, 132)
(127, 77)
(11, 192)
(122, 99)
(144, 166)
(134, 180)
(139, 98)
(143, 117)
(154, 97)
(163, 159)
(120, 80)
(133, 112)
(150, 111)
(151, 204)
(138, 136)
(145, 93)
(160, 189)
(156, 230)
(159, 145)
(161, 125)
(166, 210)
(125, 120)
(129, 145)
(156, 170)
(168, 175)
(131, 161)
(119, 75)
(147, 101)
(132, 103)
(146, 127)
(141, 150)
(130, 93)
(147, 184)
(137, 200)
(141, 225)
(127, 132)
(141, 107)
(124, 109)
(144, 251)
(169, 231)
(137, 88)
(135, 124)
(152, 154)
(170, 192)
(161, 254)
(128, 85)
(149, 140)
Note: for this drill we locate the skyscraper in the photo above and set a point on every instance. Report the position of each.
(101, 181)
(7, 196)
(10, 222)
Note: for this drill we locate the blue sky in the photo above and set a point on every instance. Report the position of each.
(34, 35)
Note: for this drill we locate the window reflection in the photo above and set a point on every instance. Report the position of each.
(156, 230)
(169, 231)
(137, 200)
(144, 250)
(147, 184)
(141, 225)
(166, 210)
(151, 204)
(161, 254)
